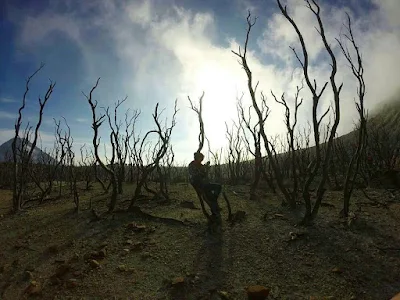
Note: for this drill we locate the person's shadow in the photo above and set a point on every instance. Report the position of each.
(208, 275)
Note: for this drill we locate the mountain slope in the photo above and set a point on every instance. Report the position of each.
(38, 156)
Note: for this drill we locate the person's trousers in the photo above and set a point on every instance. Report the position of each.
(212, 191)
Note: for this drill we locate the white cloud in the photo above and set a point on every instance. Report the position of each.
(7, 100)
(7, 115)
(170, 52)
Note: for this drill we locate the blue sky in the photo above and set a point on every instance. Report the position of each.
(158, 51)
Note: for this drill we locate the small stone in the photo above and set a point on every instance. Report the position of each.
(59, 260)
(128, 242)
(62, 270)
(125, 251)
(122, 268)
(146, 255)
(94, 264)
(74, 257)
(102, 253)
(223, 295)
(77, 273)
(30, 268)
(188, 204)
(53, 249)
(257, 292)
(337, 270)
(137, 246)
(34, 288)
(178, 281)
(103, 245)
(135, 227)
(71, 283)
(28, 276)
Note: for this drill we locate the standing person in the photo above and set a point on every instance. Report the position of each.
(198, 177)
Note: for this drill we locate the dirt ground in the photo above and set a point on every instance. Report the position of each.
(50, 252)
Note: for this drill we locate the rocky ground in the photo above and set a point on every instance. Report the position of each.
(50, 252)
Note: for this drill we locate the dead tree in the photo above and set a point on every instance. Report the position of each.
(234, 151)
(22, 153)
(253, 90)
(70, 160)
(255, 150)
(357, 69)
(216, 157)
(120, 140)
(86, 165)
(96, 123)
(44, 171)
(319, 162)
(199, 111)
(161, 147)
(164, 169)
(290, 127)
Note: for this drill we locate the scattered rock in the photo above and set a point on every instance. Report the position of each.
(122, 268)
(257, 292)
(178, 281)
(279, 216)
(96, 254)
(238, 216)
(102, 253)
(59, 260)
(53, 249)
(128, 242)
(94, 264)
(125, 251)
(337, 270)
(188, 204)
(146, 255)
(103, 245)
(223, 295)
(30, 268)
(71, 283)
(28, 276)
(77, 273)
(137, 246)
(62, 270)
(74, 258)
(34, 288)
(135, 227)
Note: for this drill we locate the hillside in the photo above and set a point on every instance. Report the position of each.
(38, 156)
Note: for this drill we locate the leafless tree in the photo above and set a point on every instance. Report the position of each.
(146, 167)
(43, 172)
(96, 123)
(235, 151)
(254, 147)
(253, 90)
(70, 160)
(290, 126)
(216, 162)
(121, 140)
(199, 111)
(86, 165)
(319, 161)
(22, 148)
(164, 170)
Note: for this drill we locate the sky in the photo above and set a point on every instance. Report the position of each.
(159, 51)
